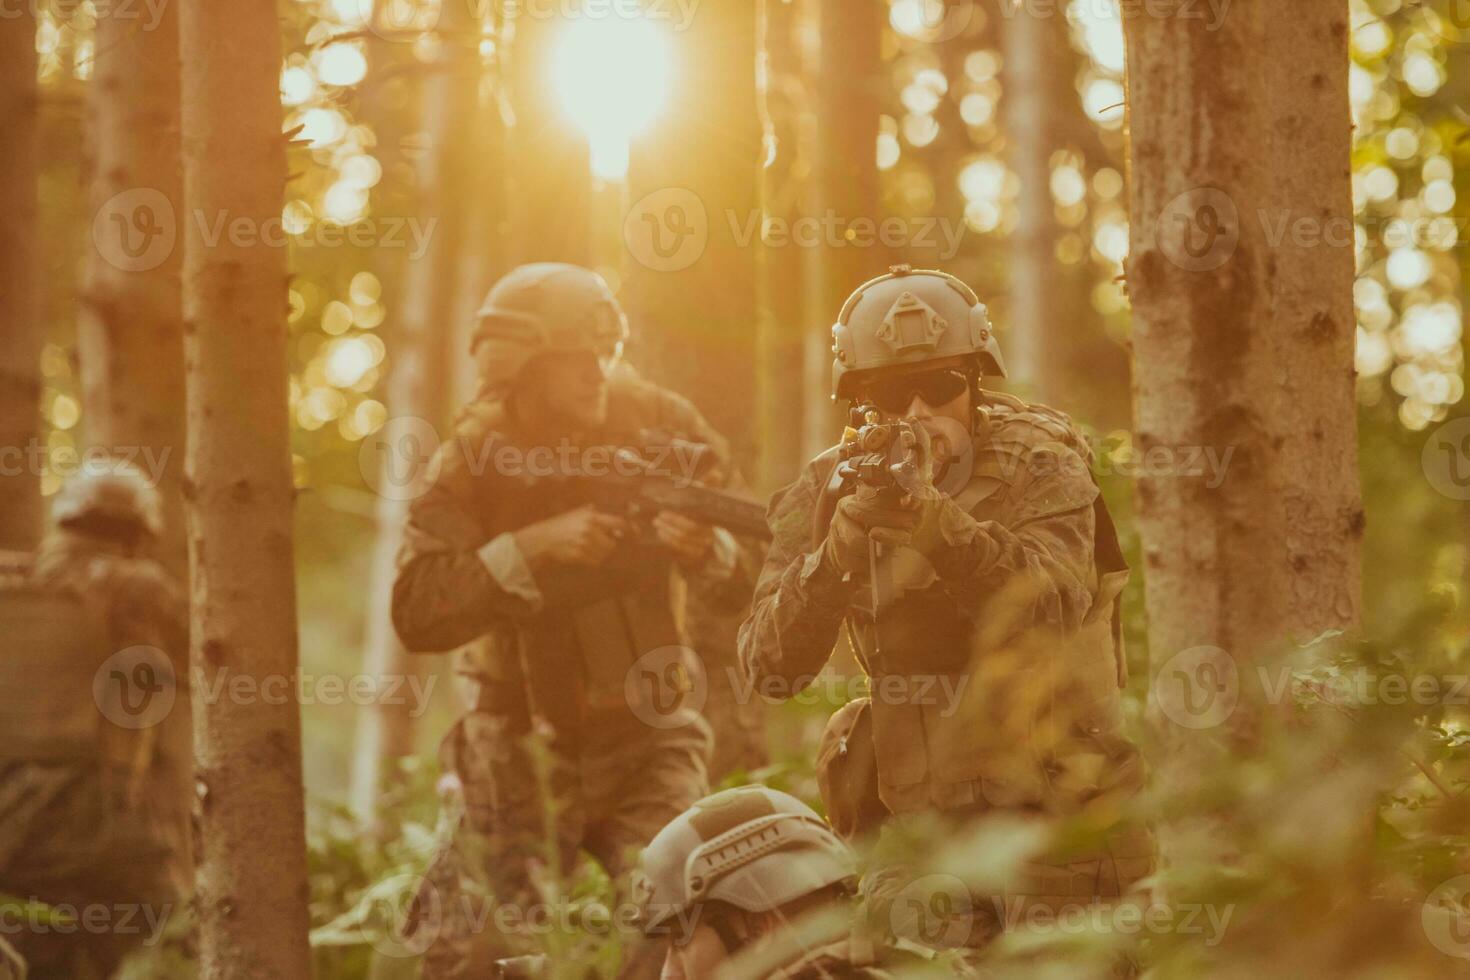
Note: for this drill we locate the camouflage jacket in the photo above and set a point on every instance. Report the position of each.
(1003, 657)
(560, 658)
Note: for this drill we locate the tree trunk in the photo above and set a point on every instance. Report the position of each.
(130, 336)
(419, 376)
(845, 185)
(251, 885)
(779, 323)
(20, 311)
(1243, 336)
(1031, 133)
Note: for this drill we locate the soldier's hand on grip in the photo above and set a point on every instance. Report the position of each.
(691, 541)
(869, 515)
(584, 536)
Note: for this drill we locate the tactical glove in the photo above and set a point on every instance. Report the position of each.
(864, 516)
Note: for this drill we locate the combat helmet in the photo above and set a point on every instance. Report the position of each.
(112, 495)
(907, 317)
(543, 308)
(750, 847)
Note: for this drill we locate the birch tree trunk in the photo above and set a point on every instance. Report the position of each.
(130, 335)
(20, 312)
(419, 373)
(1241, 273)
(1031, 132)
(251, 885)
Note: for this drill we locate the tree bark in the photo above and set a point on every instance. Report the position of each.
(1031, 133)
(130, 334)
(845, 184)
(20, 311)
(251, 886)
(779, 323)
(1244, 337)
(419, 375)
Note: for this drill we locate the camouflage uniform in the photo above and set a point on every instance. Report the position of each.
(91, 813)
(1008, 594)
(559, 665)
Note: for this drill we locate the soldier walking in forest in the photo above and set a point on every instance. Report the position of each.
(95, 762)
(959, 537)
(521, 550)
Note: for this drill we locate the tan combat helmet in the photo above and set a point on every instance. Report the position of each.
(543, 308)
(109, 494)
(907, 317)
(751, 847)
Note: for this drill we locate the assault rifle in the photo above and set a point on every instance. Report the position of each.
(883, 456)
(638, 484)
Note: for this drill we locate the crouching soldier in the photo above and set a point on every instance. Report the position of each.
(95, 762)
(959, 539)
(752, 883)
(523, 551)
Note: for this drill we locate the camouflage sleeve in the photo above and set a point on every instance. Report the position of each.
(1037, 565)
(800, 599)
(444, 596)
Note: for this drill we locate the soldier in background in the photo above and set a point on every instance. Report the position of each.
(569, 611)
(961, 541)
(94, 773)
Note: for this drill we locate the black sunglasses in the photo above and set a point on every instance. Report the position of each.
(895, 395)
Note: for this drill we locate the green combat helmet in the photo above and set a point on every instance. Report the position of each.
(908, 317)
(543, 308)
(753, 848)
(109, 497)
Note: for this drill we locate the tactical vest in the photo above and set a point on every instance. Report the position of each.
(939, 681)
(581, 665)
